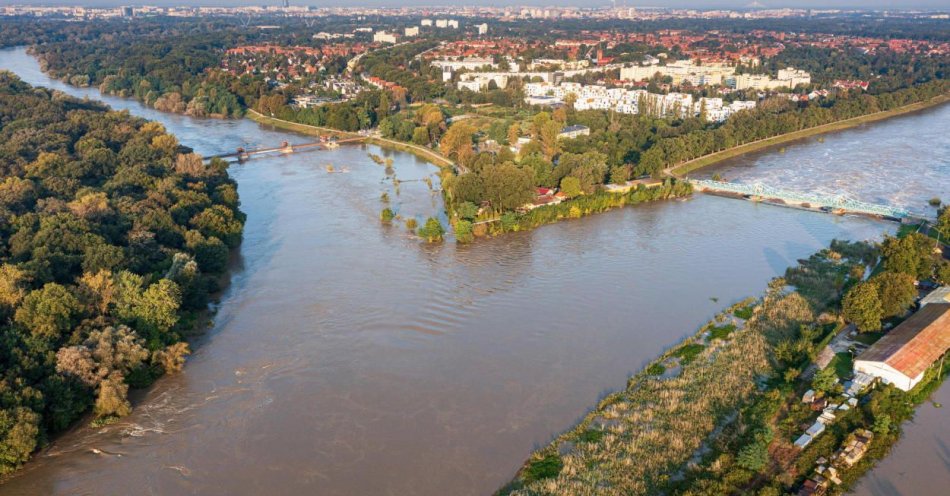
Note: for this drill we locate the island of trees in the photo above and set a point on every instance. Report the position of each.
(113, 237)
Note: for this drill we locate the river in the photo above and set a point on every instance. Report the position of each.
(349, 358)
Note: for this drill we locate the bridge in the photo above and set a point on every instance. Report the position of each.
(832, 204)
(285, 148)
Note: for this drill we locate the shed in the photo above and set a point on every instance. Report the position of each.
(803, 441)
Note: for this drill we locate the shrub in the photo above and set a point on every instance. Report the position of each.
(463, 231)
(432, 231)
(387, 215)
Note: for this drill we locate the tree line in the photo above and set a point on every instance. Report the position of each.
(113, 237)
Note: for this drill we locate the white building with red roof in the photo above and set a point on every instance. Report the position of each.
(903, 355)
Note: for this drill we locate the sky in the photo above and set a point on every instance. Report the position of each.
(867, 4)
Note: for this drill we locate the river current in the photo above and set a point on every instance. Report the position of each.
(348, 358)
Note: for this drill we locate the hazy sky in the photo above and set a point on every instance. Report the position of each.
(875, 4)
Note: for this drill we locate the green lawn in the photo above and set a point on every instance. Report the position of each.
(843, 364)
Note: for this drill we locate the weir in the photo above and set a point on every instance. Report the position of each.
(831, 204)
(285, 148)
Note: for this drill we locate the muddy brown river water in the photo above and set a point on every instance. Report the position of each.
(347, 358)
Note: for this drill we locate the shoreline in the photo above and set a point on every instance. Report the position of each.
(698, 163)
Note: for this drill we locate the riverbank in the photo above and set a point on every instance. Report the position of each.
(693, 165)
(575, 208)
(722, 412)
(432, 156)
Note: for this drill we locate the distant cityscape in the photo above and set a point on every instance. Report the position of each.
(499, 13)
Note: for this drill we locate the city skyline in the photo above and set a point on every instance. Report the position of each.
(688, 4)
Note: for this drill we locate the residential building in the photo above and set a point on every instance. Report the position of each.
(426, 22)
(469, 63)
(571, 132)
(482, 29)
(384, 37)
(411, 31)
(905, 353)
(681, 71)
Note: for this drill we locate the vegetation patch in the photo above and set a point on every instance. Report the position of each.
(720, 332)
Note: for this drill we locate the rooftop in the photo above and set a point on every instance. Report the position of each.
(939, 295)
(916, 343)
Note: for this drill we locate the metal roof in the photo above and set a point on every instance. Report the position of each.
(916, 343)
(939, 295)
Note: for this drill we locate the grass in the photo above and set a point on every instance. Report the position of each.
(545, 468)
(720, 332)
(591, 436)
(868, 338)
(656, 369)
(745, 312)
(844, 364)
(713, 158)
(688, 352)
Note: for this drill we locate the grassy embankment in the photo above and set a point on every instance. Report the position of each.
(714, 158)
(717, 414)
(421, 152)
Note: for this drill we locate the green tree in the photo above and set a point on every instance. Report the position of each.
(909, 254)
(896, 291)
(862, 306)
(467, 210)
(48, 312)
(943, 223)
(507, 187)
(570, 186)
(19, 430)
(463, 231)
(824, 380)
(432, 230)
(220, 222)
(387, 215)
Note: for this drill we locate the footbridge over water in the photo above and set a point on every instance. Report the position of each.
(243, 154)
(832, 204)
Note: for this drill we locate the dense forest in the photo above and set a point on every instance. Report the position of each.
(113, 236)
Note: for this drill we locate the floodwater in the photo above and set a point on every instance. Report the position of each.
(904, 161)
(349, 358)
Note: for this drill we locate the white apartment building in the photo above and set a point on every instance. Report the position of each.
(680, 71)
(482, 29)
(626, 101)
(411, 31)
(426, 22)
(469, 63)
(384, 37)
(481, 81)
(787, 78)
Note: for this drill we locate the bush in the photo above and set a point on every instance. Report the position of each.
(432, 231)
(463, 231)
(387, 215)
